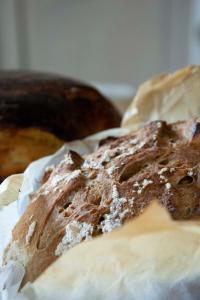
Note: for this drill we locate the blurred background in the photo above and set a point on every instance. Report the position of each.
(105, 41)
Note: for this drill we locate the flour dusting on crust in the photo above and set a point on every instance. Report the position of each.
(75, 232)
(30, 232)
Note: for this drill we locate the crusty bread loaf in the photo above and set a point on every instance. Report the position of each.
(86, 196)
(39, 111)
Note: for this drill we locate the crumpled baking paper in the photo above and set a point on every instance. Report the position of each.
(169, 97)
(15, 190)
(11, 276)
(11, 183)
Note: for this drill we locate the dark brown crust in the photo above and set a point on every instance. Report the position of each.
(160, 161)
(65, 107)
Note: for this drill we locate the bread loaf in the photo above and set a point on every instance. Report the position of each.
(39, 112)
(84, 197)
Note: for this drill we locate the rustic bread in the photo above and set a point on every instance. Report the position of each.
(39, 112)
(86, 196)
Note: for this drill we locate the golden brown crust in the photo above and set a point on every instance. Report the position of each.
(61, 108)
(20, 146)
(88, 196)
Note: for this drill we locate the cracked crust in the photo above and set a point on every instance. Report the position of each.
(86, 196)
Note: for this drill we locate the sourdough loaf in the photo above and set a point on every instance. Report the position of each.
(39, 112)
(84, 197)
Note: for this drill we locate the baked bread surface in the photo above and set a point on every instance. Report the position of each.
(40, 111)
(84, 197)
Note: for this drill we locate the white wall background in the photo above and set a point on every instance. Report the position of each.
(98, 40)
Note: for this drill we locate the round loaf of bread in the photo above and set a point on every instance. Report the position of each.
(39, 112)
(86, 196)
